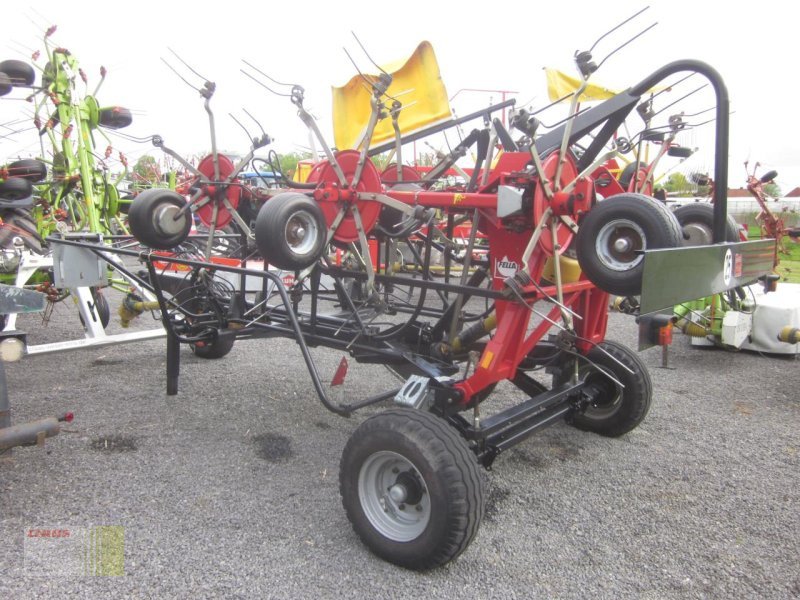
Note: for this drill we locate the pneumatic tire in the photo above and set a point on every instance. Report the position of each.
(291, 231)
(697, 224)
(216, 348)
(411, 487)
(613, 235)
(152, 219)
(14, 189)
(28, 168)
(18, 71)
(616, 411)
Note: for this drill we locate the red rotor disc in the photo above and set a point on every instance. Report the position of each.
(206, 212)
(389, 174)
(569, 171)
(370, 181)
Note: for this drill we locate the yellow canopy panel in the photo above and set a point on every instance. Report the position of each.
(560, 84)
(416, 83)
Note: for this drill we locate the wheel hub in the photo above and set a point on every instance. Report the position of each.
(168, 219)
(619, 244)
(301, 232)
(622, 245)
(393, 496)
(696, 234)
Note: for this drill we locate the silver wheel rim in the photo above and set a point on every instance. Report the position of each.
(165, 220)
(618, 242)
(697, 234)
(394, 496)
(301, 232)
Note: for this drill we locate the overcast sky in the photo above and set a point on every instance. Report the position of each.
(487, 45)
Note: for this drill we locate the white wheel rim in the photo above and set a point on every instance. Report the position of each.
(393, 496)
(301, 232)
(618, 243)
(165, 220)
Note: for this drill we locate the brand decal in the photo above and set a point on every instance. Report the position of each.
(727, 267)
(505, 267)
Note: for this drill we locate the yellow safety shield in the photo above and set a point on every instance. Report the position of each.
(560, 84)
(416, 82)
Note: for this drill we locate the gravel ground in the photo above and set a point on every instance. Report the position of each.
(230, 488)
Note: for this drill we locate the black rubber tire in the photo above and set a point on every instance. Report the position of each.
(115, 117)
(153, 207)
(15, 188)
(5, 84)
(18, 71)
(619, 410)
(18, 222)
(29, 168)
(285, 215)
(216, 348)
(768, 176)
(697, 224)
(101, 307)
(679, 152)
(639, 221)
(627, 174)
(453, 500)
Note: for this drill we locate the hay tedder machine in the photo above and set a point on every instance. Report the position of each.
(451, 321)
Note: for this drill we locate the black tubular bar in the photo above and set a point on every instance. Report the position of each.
(722, 131)
(498, 424)
(172, 360)
(525, 428)
(613, 112)
(442, 126)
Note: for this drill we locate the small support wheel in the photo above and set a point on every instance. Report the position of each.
(115, 117)
(220, 346)
(613, 236)
(614, 411)
(28, 168)
(629, 183)
(290, 231)
(101, 307)
(19, 72)
(412, 488)
(697, 224)
(156, 221)
(14, 189)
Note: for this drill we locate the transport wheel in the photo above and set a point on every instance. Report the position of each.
(15, 188)
(290, 231)
(411, 488)
(29, 168)
(615, 411)
(115, 117)
(697, 224)
(101, 307)
(5, 84)
(18, 222)
(626, 177)
(18, 71)
(613, 234)
(151, 218)
(216, 348)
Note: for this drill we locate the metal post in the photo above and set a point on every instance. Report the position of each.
(5, 407)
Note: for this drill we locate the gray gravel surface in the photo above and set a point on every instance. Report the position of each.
(230, 488)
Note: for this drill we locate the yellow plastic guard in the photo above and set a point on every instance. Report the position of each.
(303, 170)
(416, 83)
(560, 84)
